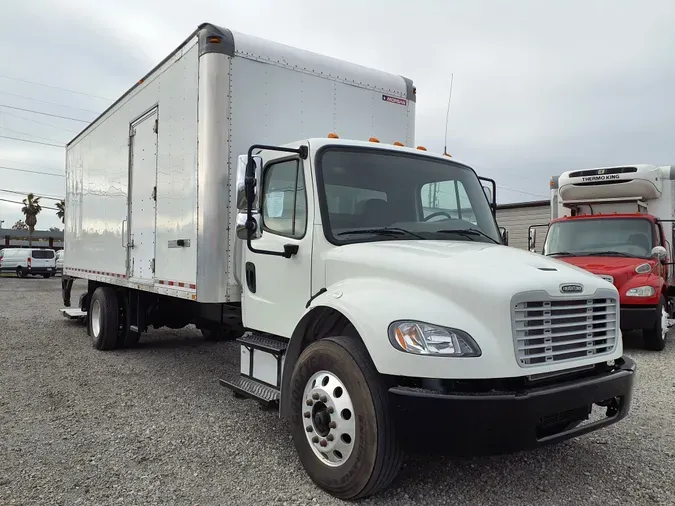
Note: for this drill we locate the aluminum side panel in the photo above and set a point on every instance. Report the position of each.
(214, 262)
(97, 174)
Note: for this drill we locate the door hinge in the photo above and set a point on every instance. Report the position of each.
(154, 193)
(152, 265)
(132, 131)
(156, 127)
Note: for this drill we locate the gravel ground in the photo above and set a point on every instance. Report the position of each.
(153, 426)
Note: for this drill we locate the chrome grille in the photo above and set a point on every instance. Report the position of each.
(562, 330)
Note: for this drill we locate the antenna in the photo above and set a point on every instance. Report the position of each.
(447, 115)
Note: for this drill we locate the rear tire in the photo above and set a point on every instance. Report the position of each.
(655, 338)
(20, 272)
(374, 458)
(46, 276)
(103, 321)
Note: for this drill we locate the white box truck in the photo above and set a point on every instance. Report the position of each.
(366, 280)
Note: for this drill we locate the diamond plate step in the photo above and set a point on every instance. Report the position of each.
(264, 342)
(251, 388)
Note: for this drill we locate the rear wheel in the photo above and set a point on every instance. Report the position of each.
(341, 423)
(21, 272)
(47, 276)
(104, 318)
(655, 338)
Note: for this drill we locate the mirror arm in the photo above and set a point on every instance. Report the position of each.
(250, 183)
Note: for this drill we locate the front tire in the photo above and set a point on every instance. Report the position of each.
(103, 321)
(655, 338)
(347, 444)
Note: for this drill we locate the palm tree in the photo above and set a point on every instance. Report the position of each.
(61, 210)
(31, 208)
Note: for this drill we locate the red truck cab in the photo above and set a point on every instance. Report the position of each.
(628, 250)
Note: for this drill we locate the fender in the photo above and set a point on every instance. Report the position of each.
(354, 300)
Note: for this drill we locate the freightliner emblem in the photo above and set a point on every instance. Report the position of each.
(571, 288)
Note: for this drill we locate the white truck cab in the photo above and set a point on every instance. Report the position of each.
(276, 197)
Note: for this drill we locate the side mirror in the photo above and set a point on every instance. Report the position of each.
(505, 235)
(532, 239)
(659, 252)
(249, 192)
(488, 193)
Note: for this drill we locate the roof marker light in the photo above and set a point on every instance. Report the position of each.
(421, 148)
(374, 139)
(447, 154)
(333, 136)
(396, 143)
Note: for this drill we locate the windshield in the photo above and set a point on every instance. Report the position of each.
(372, 195)
(603, 236)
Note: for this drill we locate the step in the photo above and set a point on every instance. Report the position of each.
(265, 342)
(73, 313)
(251, 388)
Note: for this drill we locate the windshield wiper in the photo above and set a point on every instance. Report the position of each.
(382, 231)
(468, 232)
(611, 254)
(562, 254)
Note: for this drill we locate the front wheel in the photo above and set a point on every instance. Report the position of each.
(341, 423)
(655, 338)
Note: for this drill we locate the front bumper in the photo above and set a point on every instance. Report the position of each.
(492, 423)
(638, 317)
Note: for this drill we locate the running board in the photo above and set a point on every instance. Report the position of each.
(261, 363)
(73, 313)
(247, 387)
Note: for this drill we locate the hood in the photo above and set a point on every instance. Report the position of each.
(621, 269)
(461, 266)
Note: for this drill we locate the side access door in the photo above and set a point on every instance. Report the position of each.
(142, 197)
(276, 289)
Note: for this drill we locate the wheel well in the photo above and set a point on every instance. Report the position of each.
(320, 323)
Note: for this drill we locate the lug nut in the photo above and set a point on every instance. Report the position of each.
(315, 439)
(307, 414)
(332, 425)
(330, 437)
(310, 402)
(309, 428)
(315, 397)
(324, 442)
(324, 399)
(330, 410)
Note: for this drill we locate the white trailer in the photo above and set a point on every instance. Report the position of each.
(366, 280)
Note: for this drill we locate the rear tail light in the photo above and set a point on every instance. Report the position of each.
(29, 261)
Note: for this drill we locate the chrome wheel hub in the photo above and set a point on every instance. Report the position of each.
(329, 419)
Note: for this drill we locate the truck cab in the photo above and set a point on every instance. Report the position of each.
(616, 222)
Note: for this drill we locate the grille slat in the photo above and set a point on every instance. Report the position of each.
(554, 331)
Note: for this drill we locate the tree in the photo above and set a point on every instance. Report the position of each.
(61, 210)
(20, 225)
(31, 208)
(54, 229)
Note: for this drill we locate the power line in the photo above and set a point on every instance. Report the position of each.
(31, 165)
(47, 102)
(5, 113)
(32, 171)
(524, 193)
(21, 203)
(34, 193)
(28, 134)
(34, 142)
(44, 113)
(54, 87)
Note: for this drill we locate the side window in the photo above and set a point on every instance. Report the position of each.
(448, 198)
(284, 200)
(657, 235)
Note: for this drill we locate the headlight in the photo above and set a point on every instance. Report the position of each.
(425, 339)
(641, 291)
(643, 268)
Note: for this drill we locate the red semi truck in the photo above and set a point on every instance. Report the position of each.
(617, 222)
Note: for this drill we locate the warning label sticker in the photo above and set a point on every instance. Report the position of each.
(394, 100)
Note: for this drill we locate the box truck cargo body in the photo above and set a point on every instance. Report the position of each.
(148, 182)
(276, 196)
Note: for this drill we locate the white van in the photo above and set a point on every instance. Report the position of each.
(25, 261)
(59, 261)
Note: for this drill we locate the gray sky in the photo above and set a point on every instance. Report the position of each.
(540, 86)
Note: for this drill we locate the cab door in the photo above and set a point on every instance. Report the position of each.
(276, 289)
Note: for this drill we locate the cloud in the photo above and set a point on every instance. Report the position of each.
(539, 87)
